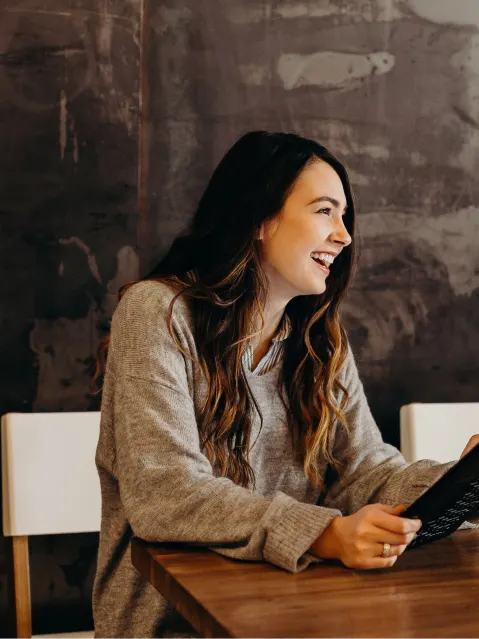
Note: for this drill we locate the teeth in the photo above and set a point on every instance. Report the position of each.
(325, 257)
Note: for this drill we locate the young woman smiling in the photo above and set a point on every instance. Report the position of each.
(232, 411)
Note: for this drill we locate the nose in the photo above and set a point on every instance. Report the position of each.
(340, 234)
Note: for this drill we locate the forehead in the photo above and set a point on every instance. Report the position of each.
(319, 179)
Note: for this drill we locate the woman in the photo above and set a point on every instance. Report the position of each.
(232, 412)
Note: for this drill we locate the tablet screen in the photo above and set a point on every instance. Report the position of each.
(448, 502)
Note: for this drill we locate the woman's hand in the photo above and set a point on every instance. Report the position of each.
(358, 540)
(470, 445)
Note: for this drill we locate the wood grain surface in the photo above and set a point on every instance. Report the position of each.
(432, 591)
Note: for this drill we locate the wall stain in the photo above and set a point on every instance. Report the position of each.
(69, 236)
(88, 252)
(330, 69)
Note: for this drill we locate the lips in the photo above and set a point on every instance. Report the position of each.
(320, 265)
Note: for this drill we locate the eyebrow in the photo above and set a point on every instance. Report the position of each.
(327, 198)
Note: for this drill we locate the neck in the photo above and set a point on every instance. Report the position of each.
(272, 313)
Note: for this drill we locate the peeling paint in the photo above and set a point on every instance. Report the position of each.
(330, 69)
(452, 12)
(63, 124)
(294, 10)
(105, 36)
(417, 159)
(466, 61)
(66, 14)
(127, 114)
(170, 18)
(254, 74)
(67, 124)
(248, 14)
(65, 349)
(371, 11)
(90, 257)
(75, 141)
(75, 149)
(366, 11)
(375, 151)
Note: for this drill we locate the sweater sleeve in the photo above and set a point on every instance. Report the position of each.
(373, 471)
(167, 485)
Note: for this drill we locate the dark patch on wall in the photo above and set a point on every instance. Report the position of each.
(69, 131)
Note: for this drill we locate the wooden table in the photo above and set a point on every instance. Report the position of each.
(432, 591)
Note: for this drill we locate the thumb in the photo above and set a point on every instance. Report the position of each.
(397, 510)
(392, 510)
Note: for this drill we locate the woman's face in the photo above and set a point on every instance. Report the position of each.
(299, 244)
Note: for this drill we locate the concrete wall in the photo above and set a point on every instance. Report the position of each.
(69, 83)
(391, 86)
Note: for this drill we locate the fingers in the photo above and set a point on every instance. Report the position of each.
(395, 550)
(387, 537)
(377, 561)
(369, 529)
(382, 563)
(393, 523)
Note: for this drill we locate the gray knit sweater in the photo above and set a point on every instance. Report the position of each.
(157, 484)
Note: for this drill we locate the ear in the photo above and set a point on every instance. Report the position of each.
(260, 232)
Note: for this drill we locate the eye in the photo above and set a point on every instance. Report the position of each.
(326, 211)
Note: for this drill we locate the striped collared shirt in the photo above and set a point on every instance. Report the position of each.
(274, 353)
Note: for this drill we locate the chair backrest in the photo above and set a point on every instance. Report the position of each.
(50, 481)
(437, 431)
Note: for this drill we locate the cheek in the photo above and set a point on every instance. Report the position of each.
(287, 250)
(288, 245)
(302, 237)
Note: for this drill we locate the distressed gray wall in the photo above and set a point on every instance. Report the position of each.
(392, 86)
(68, 214)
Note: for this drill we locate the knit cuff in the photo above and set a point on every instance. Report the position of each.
(293, 532)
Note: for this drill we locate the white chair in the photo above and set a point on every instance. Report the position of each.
(437, 431)
(50, 486)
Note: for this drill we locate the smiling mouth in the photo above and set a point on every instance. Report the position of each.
(322, 265)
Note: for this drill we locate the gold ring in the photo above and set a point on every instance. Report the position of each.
(386, 549)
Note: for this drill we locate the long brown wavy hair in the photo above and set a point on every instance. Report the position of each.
(216, 265)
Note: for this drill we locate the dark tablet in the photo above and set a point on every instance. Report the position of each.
(448, 502)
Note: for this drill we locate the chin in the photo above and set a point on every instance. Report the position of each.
(316, 288)
(318, 284)
(294, 285)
